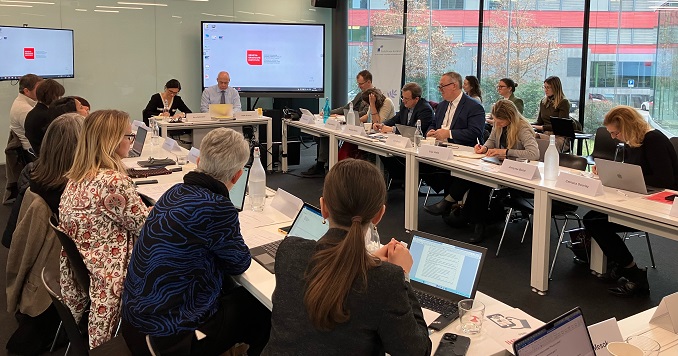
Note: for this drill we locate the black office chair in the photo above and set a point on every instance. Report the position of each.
(74, 258)
(604, 146)
(674, 142)
(564, 127)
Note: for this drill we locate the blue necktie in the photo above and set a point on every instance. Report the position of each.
(223, 97)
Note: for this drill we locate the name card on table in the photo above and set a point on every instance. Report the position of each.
(398, 141)
(436, 152)
(666, 315)
(246, 114)
(307, 119)
(332, 124)
(136, 124)
(579, 184)
(520, 169)
(355, 130)
(193, 155)
(286, 203)
(604, 333)
(674, 209)
(170, 145)
(198, 116)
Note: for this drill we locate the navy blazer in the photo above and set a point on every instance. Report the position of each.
(468, 122)
(422, 111)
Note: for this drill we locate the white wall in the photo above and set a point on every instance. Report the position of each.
(122, 58)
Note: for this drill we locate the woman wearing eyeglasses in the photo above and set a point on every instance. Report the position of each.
(506, 89)
(168, 98)
(653, 152)
(103, 214)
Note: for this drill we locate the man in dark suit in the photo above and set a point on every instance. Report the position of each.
(413, 108)
(458, 119)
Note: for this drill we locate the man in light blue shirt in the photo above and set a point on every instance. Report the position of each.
(220, 94)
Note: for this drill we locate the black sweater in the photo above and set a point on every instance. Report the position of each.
(155, 106)
(657, 158)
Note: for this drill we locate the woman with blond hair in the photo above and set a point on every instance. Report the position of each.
(511, 136)
(333, 297)
(103, 214)
(654, 153)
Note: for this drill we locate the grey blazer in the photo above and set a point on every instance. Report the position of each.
(384, 317)
(525, 147)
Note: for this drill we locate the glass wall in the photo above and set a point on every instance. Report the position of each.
(631, 52)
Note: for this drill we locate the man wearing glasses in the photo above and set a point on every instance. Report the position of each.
(364, 81)
(220, 94)
(413, 108)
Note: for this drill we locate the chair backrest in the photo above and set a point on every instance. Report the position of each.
(572, 161)
(604, 146)
(562, 127)
(79, 344)
(543, 144)
(77, 264)
(674, 142)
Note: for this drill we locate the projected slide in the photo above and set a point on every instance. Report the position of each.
(264, 57)
(45, 52)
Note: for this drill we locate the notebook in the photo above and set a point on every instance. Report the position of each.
(444, 272)
(564, 335)
(308, 224)
(237, 192)
(406, 131)
(624, 176)
(221, 111)
(139, 140)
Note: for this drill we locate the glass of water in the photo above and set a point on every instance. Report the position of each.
(471, 314)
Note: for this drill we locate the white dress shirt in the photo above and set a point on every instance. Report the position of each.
(17, 116)
(449, 114)
(212, 95)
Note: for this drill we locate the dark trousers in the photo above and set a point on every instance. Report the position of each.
(323, 149)
(240, 318)
(605, 234)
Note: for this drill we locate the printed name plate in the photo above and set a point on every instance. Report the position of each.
(307, 119)
(398, 141)
(580, 184)
(332, 124)
(169, 144)
(436, 152)
(520, 169)
(193, 155)
(136, 124)
(202, 116)
(355, 130)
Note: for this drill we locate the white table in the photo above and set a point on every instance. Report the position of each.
(639, 324)
(201, 128)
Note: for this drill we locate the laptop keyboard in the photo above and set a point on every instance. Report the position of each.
(436, 304)
(271, 247)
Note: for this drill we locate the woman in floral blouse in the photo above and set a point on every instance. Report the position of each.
(103, 214)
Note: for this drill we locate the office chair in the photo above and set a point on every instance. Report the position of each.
(564, 127)
(604, 146)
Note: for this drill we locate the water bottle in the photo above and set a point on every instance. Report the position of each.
(350, 116)
(418, 135)
(619, 152)
(326, 110)
(372, 242)
(551, 160)
(155, 134)
(257, 184)
(165, 107)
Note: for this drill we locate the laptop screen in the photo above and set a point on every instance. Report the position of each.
(139, 139)
(309, 224)
(237, 193)
(445, 266)
(565, 335)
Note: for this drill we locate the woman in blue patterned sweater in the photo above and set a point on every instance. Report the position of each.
(179, 276)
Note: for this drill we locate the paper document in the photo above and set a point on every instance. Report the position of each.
(154, 191)
(253, 219)
(508, 325)
(258, 237)
(468, 154)
(286, 203)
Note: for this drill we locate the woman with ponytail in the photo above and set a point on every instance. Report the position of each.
(333, 297)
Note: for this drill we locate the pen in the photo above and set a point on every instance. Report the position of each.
(478, 140)
(621, 193)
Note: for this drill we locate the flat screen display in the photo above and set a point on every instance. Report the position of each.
(265, 59)
(43, 51)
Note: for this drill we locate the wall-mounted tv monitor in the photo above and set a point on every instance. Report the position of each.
(265, 59)
(46, 52)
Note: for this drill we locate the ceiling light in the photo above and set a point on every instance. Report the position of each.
(12, 5)
(120, 7)
(80, 9)
(140, 3)
(113, 11)
(29, 2)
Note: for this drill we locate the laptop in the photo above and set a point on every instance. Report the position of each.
(308, 224)
(444, 272)
(221, 111)
(237, 192)
(139, 140)
(624, 176)
(406, 131)
(564, 335)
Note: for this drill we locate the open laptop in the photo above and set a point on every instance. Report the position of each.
(444, 272)
(221, 111)
(139, 140)
(237, 192)
(406, 131)
(564, 335)
(308, 224)
(624, 176)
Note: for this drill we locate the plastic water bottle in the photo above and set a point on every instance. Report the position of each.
(619, 152)
(418, 135)
(372, 242)
(155, 132)
(257, 184)
(350, 116)
(551, 160)
(165, 108)
(326, 110)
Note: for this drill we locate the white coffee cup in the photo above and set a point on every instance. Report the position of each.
(368, 126)
(623, 349)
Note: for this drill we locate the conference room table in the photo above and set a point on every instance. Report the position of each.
(623, 207)
(201, 128)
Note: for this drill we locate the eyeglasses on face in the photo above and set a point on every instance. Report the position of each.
(361, 83)
(441, 86)
(406, 99)
(501, 86)
(131, 137)
(546, 87)
(173, 91)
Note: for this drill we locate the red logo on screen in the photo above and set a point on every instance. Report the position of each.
(29, 53)
(254, 57)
